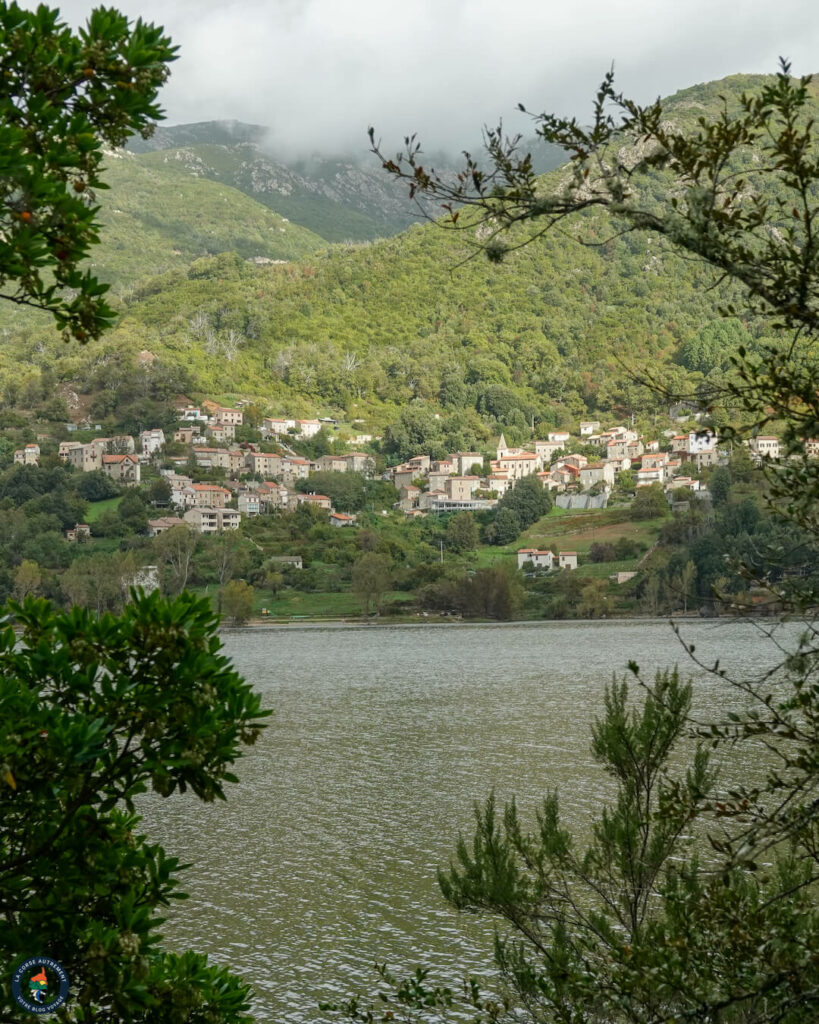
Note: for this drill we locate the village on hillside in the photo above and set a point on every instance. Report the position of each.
(581, 470)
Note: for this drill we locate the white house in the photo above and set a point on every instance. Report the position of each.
(546, 559)
(213, 520)
(152, 441)
(765, 446)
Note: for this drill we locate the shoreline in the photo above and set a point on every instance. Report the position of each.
(341, 622)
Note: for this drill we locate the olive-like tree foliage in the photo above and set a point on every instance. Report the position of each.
(642, 926)
(65, 96)
(95, 711)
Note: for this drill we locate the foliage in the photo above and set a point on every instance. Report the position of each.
(416, 431)
(93, 712)
(462, 532)
(371, 579)
(66, 96)
(649, 503)
(174, 550)
(99, 581)
(350, 491)
(96, 486)
(504, 528)
(493, 593)
(237, 601)
(528, 499)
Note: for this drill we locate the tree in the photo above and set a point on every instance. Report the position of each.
(66, 96)
(159, 492)
(227, 556)
(415, 431)
(462, 532)
(738, 192)
(649, 503)
(528, 499)
(492, 593)
(174, 548)
(371, 579)
(117, 707)
(688, 578)
(505, 528)
(96, 486)
(132, 511)
(236, 599)
(99, 581)
(27, 579)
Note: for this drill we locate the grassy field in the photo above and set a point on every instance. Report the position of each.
(96, 508)
(579, 533)
(295, 604)
(561, 530)
(602, 570)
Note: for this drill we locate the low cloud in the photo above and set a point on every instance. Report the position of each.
(319, 72)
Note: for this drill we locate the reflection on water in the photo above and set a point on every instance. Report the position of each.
(323, 860)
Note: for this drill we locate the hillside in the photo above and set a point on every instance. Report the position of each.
(158, 218)
(339, 199)
(342, 198)
(559, 329)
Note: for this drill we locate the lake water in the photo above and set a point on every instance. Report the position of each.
(323, 860)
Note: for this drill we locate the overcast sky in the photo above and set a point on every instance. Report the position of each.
(318, 72)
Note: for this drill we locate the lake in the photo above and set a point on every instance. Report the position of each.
(323, 860)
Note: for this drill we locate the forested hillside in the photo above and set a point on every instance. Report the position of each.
(557, 330)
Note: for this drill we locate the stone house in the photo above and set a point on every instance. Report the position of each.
(265, 463)
(271, 496)
(81, 532)
(295, 468)
(186, 434)
(545, 450)
(588, 427)
(276, 426)
(221, 433)
(222, 413)
(499, 482)
(461, 488)
(163, 524)
(316, 500)
(209, 496)
(518, 465)
(596, 472)
(249, 504)
(212, 458)
(28, 456)
(462, 462)
(124, 469)
(307, 428)
(359, 462)
(332, 464)
(650, 475)
(437, 479)
(403, 476)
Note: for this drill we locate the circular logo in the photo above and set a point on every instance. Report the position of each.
(40, 985)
